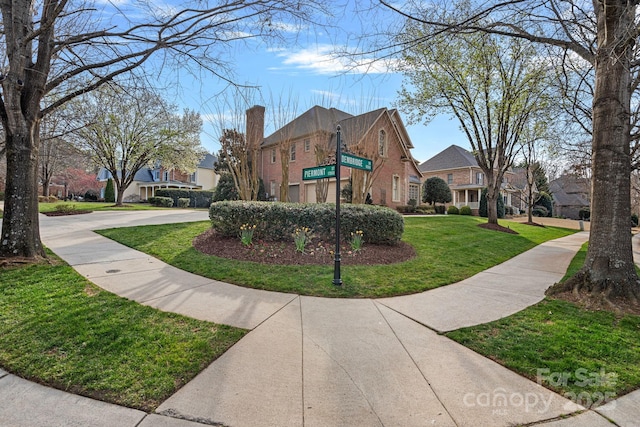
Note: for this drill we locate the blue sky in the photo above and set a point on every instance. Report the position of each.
(307, 73)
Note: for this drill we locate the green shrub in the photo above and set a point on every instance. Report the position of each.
(465, 210)
(452, 210)
(277, 221)
(65, 208)
(425, 210)
(183, 202)
(110, 192)
(197, 198)
(584, 213)
(439, 209)
(1, 196)
(540, 211)
(91, 196)
(634, 220)
(165, 202)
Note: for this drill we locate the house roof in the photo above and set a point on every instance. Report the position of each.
(569, 190)
(208, 162)
(450, 158)
(315, 119)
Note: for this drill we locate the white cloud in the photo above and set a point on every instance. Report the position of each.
(323, 60)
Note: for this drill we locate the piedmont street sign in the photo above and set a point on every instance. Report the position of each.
(319, 172)
(356, 162)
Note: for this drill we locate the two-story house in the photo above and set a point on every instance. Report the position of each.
(149, 179)
(459, 169)
(310, 140)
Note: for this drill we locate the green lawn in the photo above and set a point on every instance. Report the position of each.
(589, 356)
(59, 329)
(449, 249)
(95, 206)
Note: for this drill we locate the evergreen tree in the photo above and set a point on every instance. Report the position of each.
(226, 188)
(110, 192)
(435, 190)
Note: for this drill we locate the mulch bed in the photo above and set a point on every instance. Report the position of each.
(317, 252)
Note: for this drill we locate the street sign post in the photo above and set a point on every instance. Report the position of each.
(356, 162)
(318, 172)
(331, 171)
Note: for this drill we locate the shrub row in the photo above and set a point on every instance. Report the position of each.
(197, 198)
(47, 199)
(277, 221)
(165, 202)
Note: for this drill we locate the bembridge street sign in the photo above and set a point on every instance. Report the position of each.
(356, 162)
(319, 172)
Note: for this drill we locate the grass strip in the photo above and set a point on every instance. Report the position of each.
(590, 357)
(59, 329)
(449, 249)
(95, 206)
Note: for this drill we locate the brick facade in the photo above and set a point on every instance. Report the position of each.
(394, 172)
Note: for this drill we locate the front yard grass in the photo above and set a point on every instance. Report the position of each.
(59, 329)
(449, 249)
(94, 206)
(590, 357)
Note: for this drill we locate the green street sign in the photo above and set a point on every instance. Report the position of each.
(319, 172)
(356, 162)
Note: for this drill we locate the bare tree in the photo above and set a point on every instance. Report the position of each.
(72, 47)
(136, 128)
(283, 111)
(493, 88)
(609, 269)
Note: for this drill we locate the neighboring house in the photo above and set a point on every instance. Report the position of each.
(378, 135)
(148, 180)
(570, 194)
(459, 169)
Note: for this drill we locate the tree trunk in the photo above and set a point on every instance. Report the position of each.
(493, 192)
(20, 225)
(609, 270)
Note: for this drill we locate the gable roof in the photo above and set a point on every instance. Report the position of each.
(569, 190)
(452, 157)
(208, 162)
(315, 119)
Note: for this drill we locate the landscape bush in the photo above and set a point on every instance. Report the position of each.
(539, 211)
(634, 220)
(277, 221)
(465, 210)
(439, 209)
(584, 213)
(183, 202)
(165, 202)
(453, 210)
(47, 199)
(91, 196)
(197, 198)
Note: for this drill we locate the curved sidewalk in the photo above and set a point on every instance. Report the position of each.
(313, 361)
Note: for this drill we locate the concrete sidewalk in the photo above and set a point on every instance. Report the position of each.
(314, 361)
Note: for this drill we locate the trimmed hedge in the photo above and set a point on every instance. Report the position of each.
(165, 202)
(453, 210)
(183, 203)
(276, 220)
(465, 210)
(197, 198)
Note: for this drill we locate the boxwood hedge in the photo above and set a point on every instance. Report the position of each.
(198, 198)
(277, 221)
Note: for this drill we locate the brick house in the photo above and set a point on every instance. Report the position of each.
(378, 135)
(460, 170)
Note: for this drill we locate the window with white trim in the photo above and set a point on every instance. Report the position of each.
(292, 156)
(307, 145)
(395, 193)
